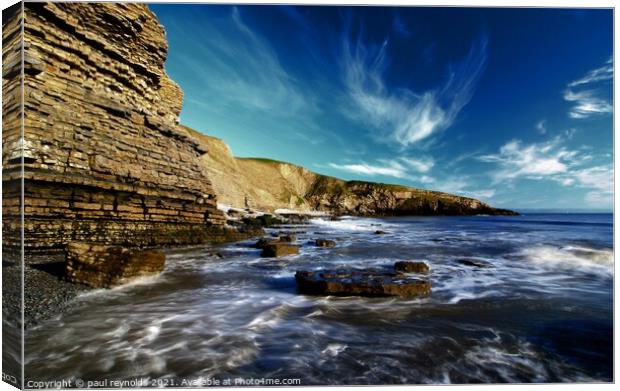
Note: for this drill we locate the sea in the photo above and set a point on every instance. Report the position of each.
(539, 311)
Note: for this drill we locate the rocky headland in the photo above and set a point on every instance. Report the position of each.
(271, 185)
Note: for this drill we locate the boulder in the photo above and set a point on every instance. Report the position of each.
(411, 267)
(102, 266)
(279, 249)
(325, 243)
(356, 282)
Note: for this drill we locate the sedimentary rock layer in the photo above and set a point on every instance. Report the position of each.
(104, 159)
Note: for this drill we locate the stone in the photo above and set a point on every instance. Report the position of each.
(356, 282)
(279, 249)
(262, 242)
(474, 263)
(411, 267)
(289, 238)
(325, 243)
(106, 266)
(104, 159)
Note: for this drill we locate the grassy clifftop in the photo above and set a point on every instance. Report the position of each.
(268, 185)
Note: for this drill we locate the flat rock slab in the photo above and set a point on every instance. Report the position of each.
(101, 266)
(279, 249)
(355, 282)
(411, 267)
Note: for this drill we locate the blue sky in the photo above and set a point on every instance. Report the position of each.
(511, 106)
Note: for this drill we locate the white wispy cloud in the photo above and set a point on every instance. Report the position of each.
(606, 72)
(403, 115)
(598, 177)
(461, 185)
(392, 169)
(421, 165)
(552, 161)
(401, 167)
(586, 104)
(516, 159)
(585, 93)
(601, 180)
(236, 67)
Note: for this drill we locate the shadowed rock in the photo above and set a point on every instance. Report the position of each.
(101, 266)
(380, 232)
(353, 282)
(279, 249)
(411, 267)
(325, 243)
(474, 263)
(262, 242)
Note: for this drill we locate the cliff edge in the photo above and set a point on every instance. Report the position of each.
(103, 156)
(270, 185)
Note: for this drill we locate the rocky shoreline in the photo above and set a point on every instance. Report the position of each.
(126, 176)
(51, 290)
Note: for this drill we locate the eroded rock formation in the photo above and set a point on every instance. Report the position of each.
(104, 159)
(106, 266)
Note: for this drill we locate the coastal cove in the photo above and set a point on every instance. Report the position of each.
(388, 246)
(547, 281)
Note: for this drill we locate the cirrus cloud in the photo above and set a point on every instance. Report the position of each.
(405, 116)
(585, 93)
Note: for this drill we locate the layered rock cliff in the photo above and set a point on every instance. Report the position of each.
(270, 185)
(104, 159)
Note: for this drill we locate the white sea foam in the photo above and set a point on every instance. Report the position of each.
(348, 224)
(599, 261)
(334, 349)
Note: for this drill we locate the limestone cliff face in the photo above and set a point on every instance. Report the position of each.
(270, 185)
(103, 157)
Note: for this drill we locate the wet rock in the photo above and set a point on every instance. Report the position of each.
(291, 232)
(380, 232)
(354, 282)
(411, 267)
(101, 266)
(266, 220)
(279, 249)
(325, 243)
(262, 242)
(289, 238)
(474, 263)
